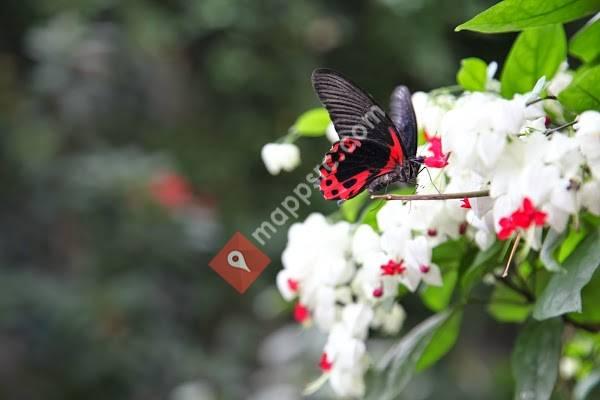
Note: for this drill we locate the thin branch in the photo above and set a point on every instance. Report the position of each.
(558, 128)
(512, 254)
(437, 196)
(540, 99)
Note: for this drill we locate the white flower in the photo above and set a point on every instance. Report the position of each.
(347, 382)
(475, 131)
(481, 217)
(280, 156)
(491, 84)
(568, 367)
(374, 252)
(356, 318)
(325, 310)
(389, 319)
(590, 196)
(316, 268)
(588, 138)
(418, 257)
(429, 111)
(287, 284)
(331, 133)
(561, 80)
(365, 242)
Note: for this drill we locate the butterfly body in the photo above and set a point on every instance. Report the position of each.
(374, 150)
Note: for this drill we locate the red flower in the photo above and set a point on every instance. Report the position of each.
(392, 268)
(301, 313)
(524, 217)
(465, 203)
(438, 159)
(507, 227)
(293, 284)
(171, 190)
(378, 292)
(324, 363)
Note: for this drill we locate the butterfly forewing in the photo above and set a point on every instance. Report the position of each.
(369, 144)
(403, 116)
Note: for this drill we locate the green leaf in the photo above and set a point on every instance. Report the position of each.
(535, 359)
(398, 365)
(449, 253)
(437, 298)
(472, 74)
(442, 341)
(584, 387)
(350, 209)
(552, 241)
(484, 262)
(516, 15)
(313, 122)
(585, 44)
(584, 92)
(508, 306)
(537, 52)
(563, 292)
(571, 242)
(590, 299)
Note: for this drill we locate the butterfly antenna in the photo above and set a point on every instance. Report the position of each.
(431, 180)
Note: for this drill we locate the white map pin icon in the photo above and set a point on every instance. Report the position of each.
(235, 259)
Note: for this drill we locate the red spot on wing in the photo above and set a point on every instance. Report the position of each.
(334, 189)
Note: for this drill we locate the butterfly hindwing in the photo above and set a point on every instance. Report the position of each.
(369, 145)
(403, 116)
(350, 165)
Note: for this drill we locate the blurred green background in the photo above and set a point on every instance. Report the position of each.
(130, 136)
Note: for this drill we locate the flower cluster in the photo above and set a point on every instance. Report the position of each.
(345, 278)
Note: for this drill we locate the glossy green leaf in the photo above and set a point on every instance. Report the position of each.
(350, 209)
(483, 263)
(398, 365)
(537, 52)
(516, 15)
(313, 122)
(551, 243)
(585, 44)
(584, 92)
(472, 74)
(506, 305)
(437, 298)
(590, 299)
(442, 341)
(535, 359)
(563, 292)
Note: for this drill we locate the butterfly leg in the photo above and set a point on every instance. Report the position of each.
(381, 182)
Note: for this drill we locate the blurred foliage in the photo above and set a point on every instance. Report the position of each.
(104, 285)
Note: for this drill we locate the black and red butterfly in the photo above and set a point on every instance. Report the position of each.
(374, 149)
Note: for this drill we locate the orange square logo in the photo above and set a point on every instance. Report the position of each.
(239, 262)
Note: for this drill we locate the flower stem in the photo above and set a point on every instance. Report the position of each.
(437, 196)
(512, 254)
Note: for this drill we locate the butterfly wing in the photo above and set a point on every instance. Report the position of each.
(404, 119)
(369, 145)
